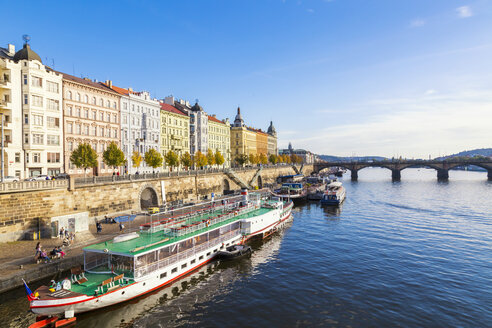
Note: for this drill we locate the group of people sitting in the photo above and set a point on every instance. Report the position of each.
(43, 255)
(66, 236)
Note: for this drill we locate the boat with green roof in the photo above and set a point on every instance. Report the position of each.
(165, 249)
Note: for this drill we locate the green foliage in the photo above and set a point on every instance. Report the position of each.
(219, 159)
(113, 156)
(253, 159)
(136, 159)
(262, 159)
(153, 158)
(273, 159)
(210, 157)
(84, 156)
(186, 160)
(200, 159)
(241, 159)
(172, 159)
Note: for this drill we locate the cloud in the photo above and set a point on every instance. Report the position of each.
(311, 11)
(430, 92)
(417, 23)
(464, 11)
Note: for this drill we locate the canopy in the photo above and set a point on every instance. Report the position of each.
(124, 218)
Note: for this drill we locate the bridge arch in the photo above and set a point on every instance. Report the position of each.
(148, 197)
(260, 182)
(226, 187)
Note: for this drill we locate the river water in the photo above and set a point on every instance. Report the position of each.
(417, 253)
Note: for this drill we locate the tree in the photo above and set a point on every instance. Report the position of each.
(153, 158)
(273, 159)
(241, 159)
(252, 159)
(200, 159)
(219, 159)
(136, 159)
(286, 158)
(113, 156)
(186, 160)
(210, 157)
(294, 159)
(172, 159)
(84, 157)
(262, 159)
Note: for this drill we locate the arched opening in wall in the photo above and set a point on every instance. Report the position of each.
(260, 182)
(226, 187)
(148, 198)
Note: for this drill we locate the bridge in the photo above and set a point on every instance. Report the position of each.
(396, 166)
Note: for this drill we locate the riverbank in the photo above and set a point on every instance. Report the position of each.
(17, 258)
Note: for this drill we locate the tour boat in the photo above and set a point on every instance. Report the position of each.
(234, 251)
(316, 187)
(292, 191)
(334, 194)
(161, 252)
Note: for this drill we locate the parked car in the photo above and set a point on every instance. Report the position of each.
(62, 176)
(39, 178)
(10, 178)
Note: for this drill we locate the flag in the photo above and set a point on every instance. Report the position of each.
(29, 293)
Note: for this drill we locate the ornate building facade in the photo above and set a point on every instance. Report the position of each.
(175, 133)
(219, 138)
(91, 115)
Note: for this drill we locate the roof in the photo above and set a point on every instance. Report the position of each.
(90, 83)
(214, 119)
(171, 109)
(4, 53)
(26, 53)
(121, 91)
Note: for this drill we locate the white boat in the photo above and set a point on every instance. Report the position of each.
(334, 194)
(164, 250)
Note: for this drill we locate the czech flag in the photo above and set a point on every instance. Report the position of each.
(29, 293)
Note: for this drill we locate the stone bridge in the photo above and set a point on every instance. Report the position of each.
(442, 167)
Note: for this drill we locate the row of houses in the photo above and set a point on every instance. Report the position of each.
(47, 114)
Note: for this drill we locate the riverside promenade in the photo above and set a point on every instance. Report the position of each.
(17, 258)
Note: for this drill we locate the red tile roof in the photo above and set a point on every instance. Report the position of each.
(121, 91)
(211, 118)
(90, 83)
(172, 109)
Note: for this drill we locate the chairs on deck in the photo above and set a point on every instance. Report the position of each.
(110, 284)
(77, 275)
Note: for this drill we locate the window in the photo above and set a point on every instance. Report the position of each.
(69, 111)
(93, 100)
(125, 106)
(101, 102)
(94, 131)
(37, 120)
(101, 147)
(114, 105)
(25, 79)
(53, 122)
(69, 95)
(193, 261)
(86, 113)
(125, 119)
(208, 253)
(17, 157)
(27, 158)
(174, 270)
(26, 119)
(26, 99)
(108, 116)
(115, 119)
(101, 132)
(101, 116)
(36, 157)
(53, 140)
(77, 112)
(77, 129)
(26, 138)
(53, 104)
(200, 258)
(86, 99)
(70, 128)
(70, 145)
(37, 101)
(77, 97)
(86, 130)
(36, 81)
(163, 275)
(52, 86)
(53, 157)
(183, 266)
(108, 104)
(115, 133)
(94, 115)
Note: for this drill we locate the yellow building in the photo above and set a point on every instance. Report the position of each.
(243, 139)
(219, 138)
(175, 134)
(261, 142)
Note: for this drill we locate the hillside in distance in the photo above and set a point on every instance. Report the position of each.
(331, 158)
(486, 152)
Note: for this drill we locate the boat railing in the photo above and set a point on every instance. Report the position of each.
(148, 269)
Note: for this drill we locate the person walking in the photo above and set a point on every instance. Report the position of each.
(62, 232)
(99, 227)
(122, 226)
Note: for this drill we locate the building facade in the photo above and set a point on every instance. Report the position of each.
(11, 110)
(140, 125)
(261, 142)
(243, 138)
(272, 140)
(175, 133)
(306, 156)
(219, 138)
(41, 98)
(91, 115)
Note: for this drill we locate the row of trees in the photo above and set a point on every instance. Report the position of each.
(84, 157)
(262, 159)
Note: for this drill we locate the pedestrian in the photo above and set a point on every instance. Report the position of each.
(62, 232)
(99, 227)
(67, 234)
(118, 173)
(122, 226)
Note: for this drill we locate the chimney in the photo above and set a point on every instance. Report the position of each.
(169, 100)
(239, 110)
(87, 79)
(187, 103)
(213, 115)
(130, 89)
(11, 49)
(109, 83)
(182, 102)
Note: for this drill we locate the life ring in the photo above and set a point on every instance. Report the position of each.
(208, 222)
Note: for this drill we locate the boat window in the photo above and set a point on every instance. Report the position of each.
(164, 253)
(98, 261)
(208, 253)
(192, 261)
(200, 258)
(122, 264)
(183, 266)
(201, 239)
(174, 270)
(163, 275)
(214, 234)
(185, 245)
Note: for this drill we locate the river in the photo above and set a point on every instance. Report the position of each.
(415, 253)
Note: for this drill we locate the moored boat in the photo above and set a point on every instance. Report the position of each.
(294, 191)
(165, 249)
(334, 194)
(234, 251)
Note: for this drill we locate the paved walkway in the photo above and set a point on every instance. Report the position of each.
(18, 256)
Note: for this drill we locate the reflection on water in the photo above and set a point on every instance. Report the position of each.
(411, 254)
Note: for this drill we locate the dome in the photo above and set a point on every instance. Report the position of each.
(196, 108)
(238, 121)
(271, 129)
(26, 54)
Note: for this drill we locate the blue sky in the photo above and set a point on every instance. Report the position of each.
(408, 78)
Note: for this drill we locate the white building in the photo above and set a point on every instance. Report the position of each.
(35, 95)
(11, 108)
(140, 125)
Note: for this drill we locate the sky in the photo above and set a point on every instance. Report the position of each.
(410, 78)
